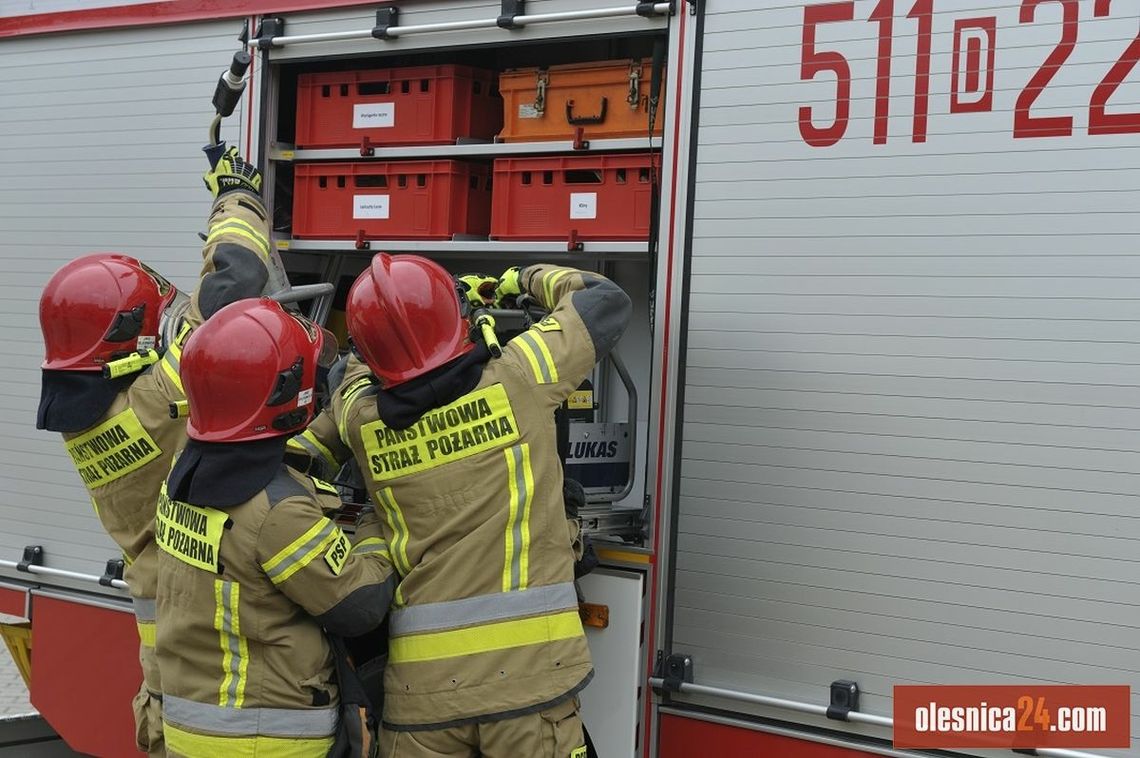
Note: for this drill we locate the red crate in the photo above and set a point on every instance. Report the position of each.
(398, 200)
(421, 105)
(591, 197)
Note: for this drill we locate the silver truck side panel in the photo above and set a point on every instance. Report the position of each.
(909, 438)
(100, 139)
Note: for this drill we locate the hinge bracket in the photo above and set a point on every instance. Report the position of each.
(33, 556)
(674, 670)
(511, 9)
(270, 27)
(113, 571)
(844, 699)
(386, 18)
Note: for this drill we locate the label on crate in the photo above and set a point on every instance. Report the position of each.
(527, 110)
(583, 205)
(370, 206)
(373, 115)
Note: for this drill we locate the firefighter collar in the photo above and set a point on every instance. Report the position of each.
(71, 401)
(402, 406)
(225, 474)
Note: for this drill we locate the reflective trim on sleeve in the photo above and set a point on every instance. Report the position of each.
(279, 722)
(538, 355)
(309, 442)
(548, 283)
(171, 363)
(301, 551)
(146, 632)
(243, 230)
(371, 545)
(501, 635)
(235, 650)
(471, 611)
(520, 481)
(191, 743)
(350, 396)
(145, 608)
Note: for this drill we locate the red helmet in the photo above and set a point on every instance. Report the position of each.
(250, 372)
(101, 307)
(404, 318)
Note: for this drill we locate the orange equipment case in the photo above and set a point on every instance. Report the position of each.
(589, 197)
(421, 105)
(606, 99)
(398, 200)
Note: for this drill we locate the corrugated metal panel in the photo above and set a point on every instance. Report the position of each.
(910, 448)
(100, 139)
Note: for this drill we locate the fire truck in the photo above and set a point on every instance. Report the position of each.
(876, 420)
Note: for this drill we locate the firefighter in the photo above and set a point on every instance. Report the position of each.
(486, 652)
(113, 330)
(251, 568)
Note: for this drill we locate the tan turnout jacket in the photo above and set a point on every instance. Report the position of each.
(485, 621)
(244, 596)
(124, 458)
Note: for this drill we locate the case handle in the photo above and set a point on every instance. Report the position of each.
(584, 120)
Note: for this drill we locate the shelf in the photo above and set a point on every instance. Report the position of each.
(615, 250)
(286, 152)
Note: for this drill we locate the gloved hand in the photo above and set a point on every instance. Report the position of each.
(509, 288)
(479, 289)
(232, 172)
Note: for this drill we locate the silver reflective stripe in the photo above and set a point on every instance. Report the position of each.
(234, 673)
(144, 608)
(483, 609)
(274, 722)
(302, 552)
(539, 356)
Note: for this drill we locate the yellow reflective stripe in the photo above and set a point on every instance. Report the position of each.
(241, 229)
(484, 639)
(512, 514)
(227, 654)
(146, 632)
(173, 374)
(235, 649)
(371, 545)
(546, 355)
(191, 743)
(524, 551)
(531, 357)
(520, 482)
(349, 398)
(243, 649)
(400, 536)
(301, 551)
(311, 438)
(548, 283)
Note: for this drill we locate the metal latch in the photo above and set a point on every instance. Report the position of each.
(542, 79)
(634, 98)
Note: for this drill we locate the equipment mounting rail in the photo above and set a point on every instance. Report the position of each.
(285, 152)
(390, 31)
(609, 250)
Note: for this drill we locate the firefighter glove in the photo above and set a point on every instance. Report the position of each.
(232, 172)
(479, 289)
(509, 288)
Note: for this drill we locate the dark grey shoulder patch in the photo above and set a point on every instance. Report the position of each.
(283, 487)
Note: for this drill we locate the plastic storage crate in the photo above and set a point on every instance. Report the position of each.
(399, 200)
(421, 105)
(591, 197)
(607, 99)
